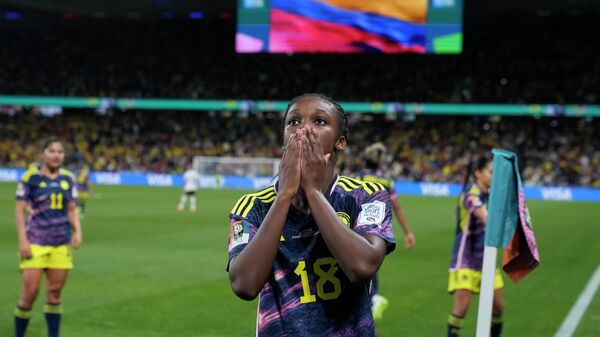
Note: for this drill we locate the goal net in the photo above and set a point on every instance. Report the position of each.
(237, 166)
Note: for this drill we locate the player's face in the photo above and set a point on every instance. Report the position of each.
(53, 156)
(314, 113)
(484, 176)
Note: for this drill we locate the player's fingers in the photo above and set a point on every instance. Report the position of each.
(289, 148)
(292, 143)
(26, 253)
(316, 148)
(297, 151)
(310, 145)
(317, 143)
(297, 144)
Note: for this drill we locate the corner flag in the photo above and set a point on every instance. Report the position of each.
(508, 225)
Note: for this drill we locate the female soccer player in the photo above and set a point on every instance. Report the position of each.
(373, 158)
(467, 255)
(46, 196)
(84, 187)
(309, 245)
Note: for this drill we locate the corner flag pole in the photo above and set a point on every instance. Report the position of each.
(486, 296)
(508, 220)
(501, 188)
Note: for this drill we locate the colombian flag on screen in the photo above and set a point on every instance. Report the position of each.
(347, 26)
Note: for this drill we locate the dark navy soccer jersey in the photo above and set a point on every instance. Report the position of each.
(48, 200)
(307, 293)
(469, 237)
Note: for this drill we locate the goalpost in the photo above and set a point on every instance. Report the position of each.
(237, 166)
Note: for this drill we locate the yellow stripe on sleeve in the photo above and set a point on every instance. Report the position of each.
(241, 201)
(31, 170)
(345, 186)
(351, 182)
(245, 203)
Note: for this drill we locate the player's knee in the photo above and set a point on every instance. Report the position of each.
(53, 291)
(461, 305)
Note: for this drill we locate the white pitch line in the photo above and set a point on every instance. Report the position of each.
(572, 320)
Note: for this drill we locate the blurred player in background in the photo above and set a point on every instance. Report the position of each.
(374, 157)
(191, 180)
(84, 186)
(48, 228)
(467, 254)
(311, 243)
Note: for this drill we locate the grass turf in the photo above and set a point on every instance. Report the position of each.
(146, 270)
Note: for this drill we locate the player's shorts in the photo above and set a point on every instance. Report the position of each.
(48, 257)
(470, 279)
(190, 193)
(83, 196)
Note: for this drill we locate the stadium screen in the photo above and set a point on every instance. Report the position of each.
(349, 26)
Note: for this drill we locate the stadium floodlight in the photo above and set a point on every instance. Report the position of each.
(237, 166)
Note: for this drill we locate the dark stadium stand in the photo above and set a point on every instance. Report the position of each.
(548, 59)
(553, 151)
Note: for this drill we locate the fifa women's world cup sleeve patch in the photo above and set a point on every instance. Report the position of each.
(372, 213)
(375, 218)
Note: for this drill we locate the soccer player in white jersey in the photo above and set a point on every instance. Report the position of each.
(191, 178)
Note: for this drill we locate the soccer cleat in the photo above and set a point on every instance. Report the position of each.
(193, 209)
(180, 208)
(378, 306)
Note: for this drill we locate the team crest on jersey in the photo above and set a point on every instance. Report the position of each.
(372, 213)
(20, 190)
(43, 184)
(64, 185)
(345, 218)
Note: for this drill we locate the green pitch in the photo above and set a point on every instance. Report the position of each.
(146, 270)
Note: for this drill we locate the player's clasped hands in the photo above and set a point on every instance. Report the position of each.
(314, 161)
(303, 162)
(289, 168)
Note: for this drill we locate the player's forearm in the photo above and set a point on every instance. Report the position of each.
(20, 220)
(358, 258)
(400, 215)
(74, 219)
(403, 221)
(481, 213)
(250, 270)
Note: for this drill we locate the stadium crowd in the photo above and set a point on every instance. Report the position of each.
(553, 151)
(175, 60)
